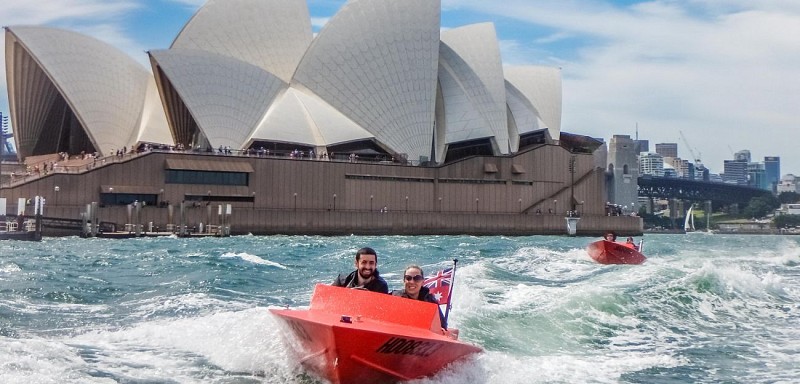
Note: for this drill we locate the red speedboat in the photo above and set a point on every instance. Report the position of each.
(609, 252)
(357, 336)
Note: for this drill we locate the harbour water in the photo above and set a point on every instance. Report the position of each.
(702, 309)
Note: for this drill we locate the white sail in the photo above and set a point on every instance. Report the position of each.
(688, 225)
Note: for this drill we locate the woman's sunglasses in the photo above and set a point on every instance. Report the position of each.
(416, 278)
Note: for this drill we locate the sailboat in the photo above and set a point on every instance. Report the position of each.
(688, 224)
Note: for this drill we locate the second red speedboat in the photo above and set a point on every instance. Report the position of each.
(609, 252)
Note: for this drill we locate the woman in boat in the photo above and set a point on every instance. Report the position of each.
(630, 244)
(413, 288)
(610, 236)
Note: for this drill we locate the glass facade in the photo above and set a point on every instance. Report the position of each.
(772, 165)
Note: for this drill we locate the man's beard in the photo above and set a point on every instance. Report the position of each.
(361, 273)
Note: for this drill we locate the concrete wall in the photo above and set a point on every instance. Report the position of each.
(479, 195)
(328, 222)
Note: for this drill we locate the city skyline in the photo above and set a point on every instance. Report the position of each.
(713, 71)
(688, 154)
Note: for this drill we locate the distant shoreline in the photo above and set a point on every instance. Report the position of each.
(719, 232)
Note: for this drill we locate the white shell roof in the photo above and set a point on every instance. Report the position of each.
(226, 97)
(541, 86)
(103, 86)
(271, 34)
(471, 76)
(297, 117)
(376, 62)
(523, 113)
(154, 127)
(373, 72)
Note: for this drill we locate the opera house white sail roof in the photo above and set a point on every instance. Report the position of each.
(471, 78)
(60, 80)
(245, 73)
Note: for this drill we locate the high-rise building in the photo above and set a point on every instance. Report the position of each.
(667, 149)
(641, 145)
(757, 176)
(735, 172)
(623, 166)
(743, 155)
(772, 165)
(684, 168)
(702, 173)
(788, 183)
(651, 164)
(690, 171)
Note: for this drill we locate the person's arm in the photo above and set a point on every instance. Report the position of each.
(340, 281)
(432, 299)
(381, 285)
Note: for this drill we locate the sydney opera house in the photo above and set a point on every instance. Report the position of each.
(382, 122)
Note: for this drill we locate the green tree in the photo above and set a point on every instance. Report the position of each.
(788, 197)
(785, 221)
(655, 221)
(761, 206)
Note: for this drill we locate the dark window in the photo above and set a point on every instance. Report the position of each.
(175, 176)
(532, 138)
(389, 178)
(108, 199)
(471, 181)
(464, 149)
(219, 198)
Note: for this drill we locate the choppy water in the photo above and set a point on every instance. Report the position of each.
(703, 308)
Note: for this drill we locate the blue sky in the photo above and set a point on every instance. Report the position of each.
(724, 72)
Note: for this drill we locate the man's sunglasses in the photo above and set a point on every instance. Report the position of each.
(416, 278)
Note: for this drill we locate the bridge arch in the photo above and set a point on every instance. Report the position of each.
(694, 190)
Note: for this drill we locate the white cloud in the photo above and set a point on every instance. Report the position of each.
(514, 52)
(553, 38)
(16, 12)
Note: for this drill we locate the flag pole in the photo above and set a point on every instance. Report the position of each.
(450, 294)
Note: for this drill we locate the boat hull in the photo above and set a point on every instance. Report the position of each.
(609, 252)
(352, 336)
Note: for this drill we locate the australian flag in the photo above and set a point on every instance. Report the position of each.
(439, 285)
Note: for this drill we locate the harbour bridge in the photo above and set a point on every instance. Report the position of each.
(697, 191)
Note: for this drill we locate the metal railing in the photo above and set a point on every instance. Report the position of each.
(38, 170)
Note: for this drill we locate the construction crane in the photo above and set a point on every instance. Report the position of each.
(696, 158)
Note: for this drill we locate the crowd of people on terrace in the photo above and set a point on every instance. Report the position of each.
(66, 162)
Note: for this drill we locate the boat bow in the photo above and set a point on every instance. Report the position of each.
(356, 336)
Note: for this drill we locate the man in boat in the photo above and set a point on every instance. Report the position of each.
(366, 275)
(413, 289)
